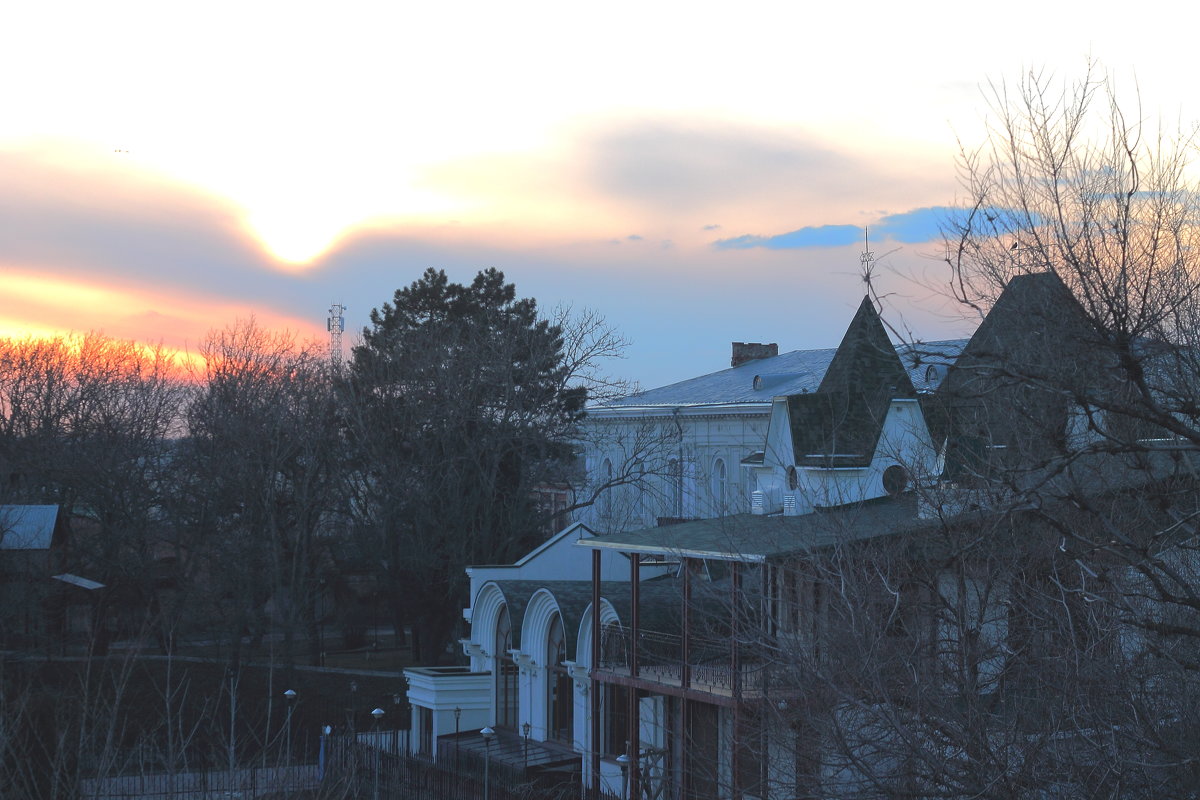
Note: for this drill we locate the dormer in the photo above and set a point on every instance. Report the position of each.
(860, 435)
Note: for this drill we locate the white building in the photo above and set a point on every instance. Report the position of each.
(677, 452)
(840, 635)
(697, 450)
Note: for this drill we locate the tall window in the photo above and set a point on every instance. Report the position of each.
(560, 700)
(425, 731)
(720, 496)
(505, 673)
(615, 710)
(639, 492)
(606, 496)
(675, 488)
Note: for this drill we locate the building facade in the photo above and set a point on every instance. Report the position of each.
(912, 600)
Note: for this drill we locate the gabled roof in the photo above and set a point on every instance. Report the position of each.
(27, 527)
(840, 423)
(796, 372)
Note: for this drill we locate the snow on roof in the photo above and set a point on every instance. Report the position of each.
(791, 373)
(75, 580)
(27, 527)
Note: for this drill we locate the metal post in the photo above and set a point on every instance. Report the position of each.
(623, 761)
(291, 702)
(735, 665)
(685, 673)
(457, 743)
(378, 715)
(635, 723)
(595, 695)
(487, 734)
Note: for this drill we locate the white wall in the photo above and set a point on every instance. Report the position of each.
(692, 437)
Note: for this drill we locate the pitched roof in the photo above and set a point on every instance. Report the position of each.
(796, 372)
(1006, 394)
(27, 527)
(840, 423)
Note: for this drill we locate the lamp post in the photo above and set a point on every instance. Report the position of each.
(325, 731)
(487, 734)
(623, 761)
(396, 698)
(525, 729)
(457, 714)
(377, 714)
(290, 696)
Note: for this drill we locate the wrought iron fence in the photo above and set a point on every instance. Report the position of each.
(250, 782)
(363, 771)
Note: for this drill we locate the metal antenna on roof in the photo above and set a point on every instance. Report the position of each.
(336, 324)
(867, 259)
(867, 262)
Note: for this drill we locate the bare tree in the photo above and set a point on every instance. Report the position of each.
(259, 481)
(1036, 633)
(85, 424)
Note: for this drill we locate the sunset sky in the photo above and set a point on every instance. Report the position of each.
(697, 173)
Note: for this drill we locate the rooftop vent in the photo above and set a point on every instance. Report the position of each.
(790, 506)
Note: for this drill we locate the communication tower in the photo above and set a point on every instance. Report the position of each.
(337, 325)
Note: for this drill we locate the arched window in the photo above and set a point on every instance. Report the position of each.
(505, 672)
(720, 498)
(560, 700)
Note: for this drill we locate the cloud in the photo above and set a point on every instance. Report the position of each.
(706, 164)
(909, 227)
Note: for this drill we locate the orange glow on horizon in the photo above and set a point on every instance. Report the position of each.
(43, 306)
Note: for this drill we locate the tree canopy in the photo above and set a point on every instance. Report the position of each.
(463, 404)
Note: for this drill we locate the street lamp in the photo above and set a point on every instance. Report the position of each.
(623, 761)
(487, 734)
(525, 729)
(378, 715)
(457, 714)
(290, 696)
(325, 731)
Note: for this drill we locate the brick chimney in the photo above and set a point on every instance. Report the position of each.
(752, 351)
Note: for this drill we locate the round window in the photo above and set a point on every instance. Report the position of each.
(895, 479)
(793, 480)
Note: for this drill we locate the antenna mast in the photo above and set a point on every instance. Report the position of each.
(336, 324)
(867, 259)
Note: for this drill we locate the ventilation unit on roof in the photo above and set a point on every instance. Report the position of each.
(758, 502)
(790, 507)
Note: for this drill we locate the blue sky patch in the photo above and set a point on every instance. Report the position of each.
(823, 236)
(908, 227)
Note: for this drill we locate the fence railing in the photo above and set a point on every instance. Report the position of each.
(249, 782)
(660, 658)
(364, 771)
